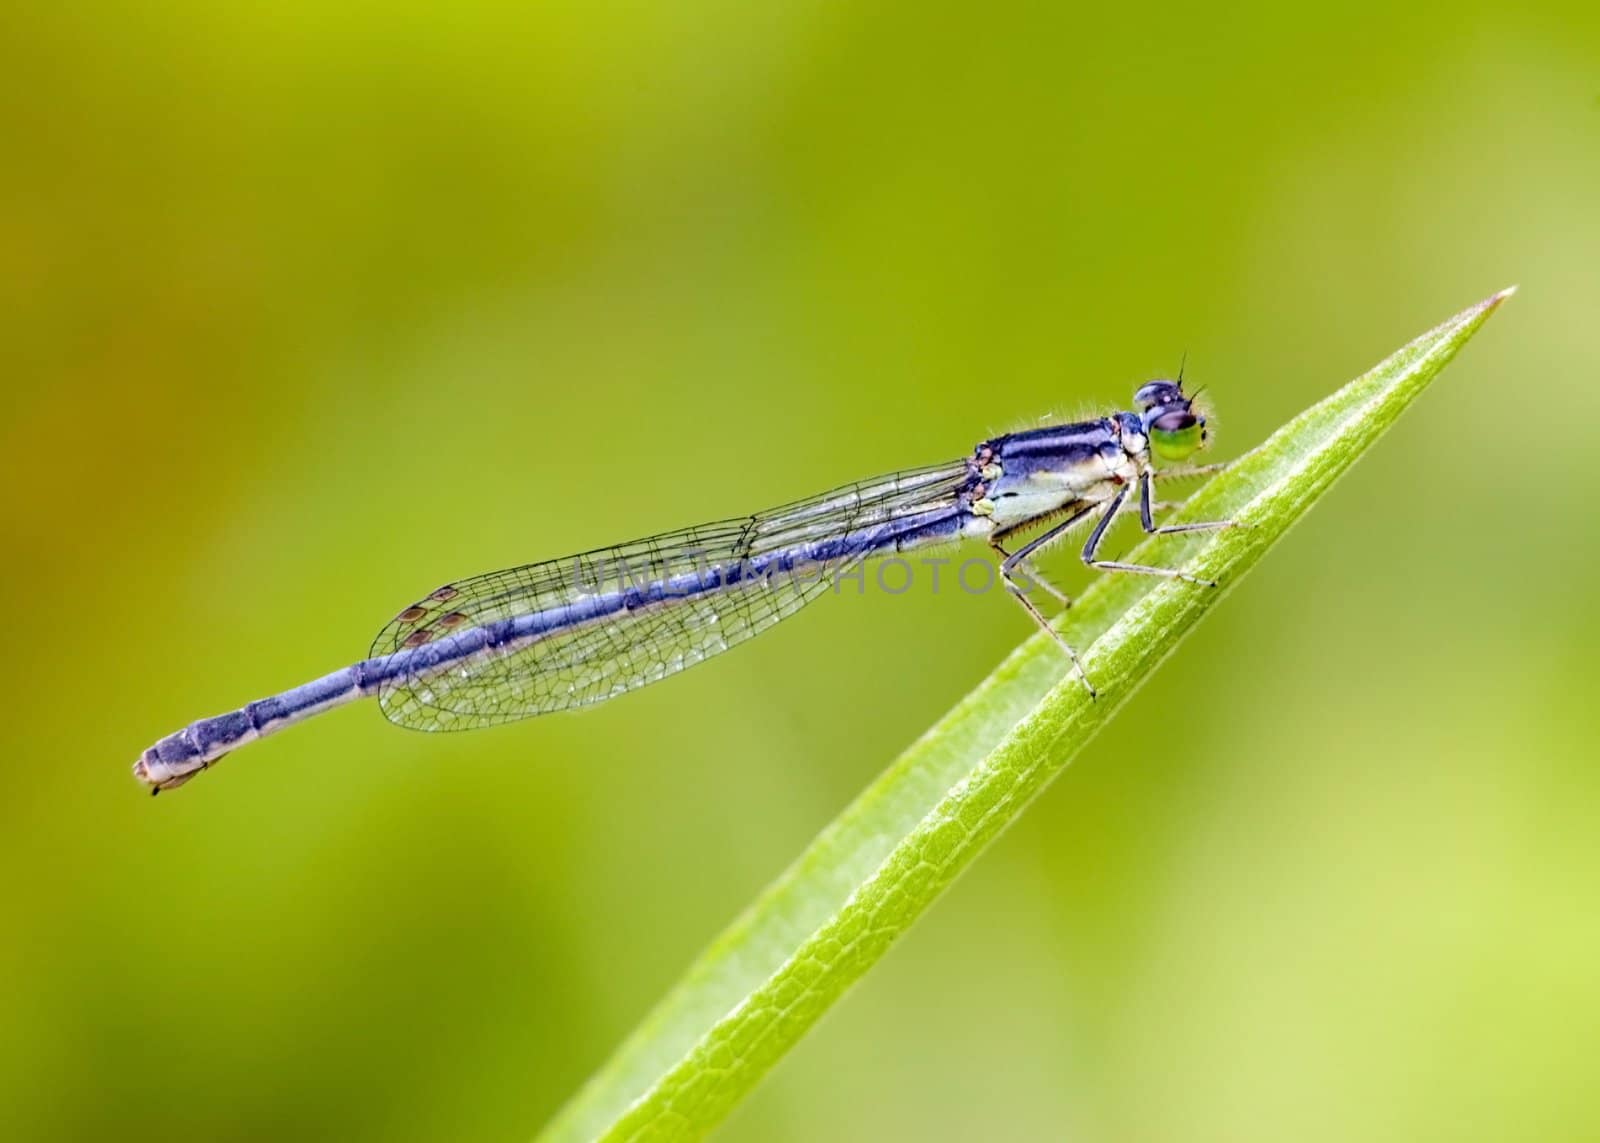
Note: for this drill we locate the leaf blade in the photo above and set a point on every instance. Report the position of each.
(866, 878)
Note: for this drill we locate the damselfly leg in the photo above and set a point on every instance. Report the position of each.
(1189, 472)
(1013, 563)
(1092, 545)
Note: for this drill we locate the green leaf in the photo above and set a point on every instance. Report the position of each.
(814, 931)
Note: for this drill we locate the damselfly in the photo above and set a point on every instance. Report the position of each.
(570, 632)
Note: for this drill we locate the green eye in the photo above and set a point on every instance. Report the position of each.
(1176, 436)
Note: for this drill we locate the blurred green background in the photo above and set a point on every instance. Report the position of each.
(307, 310)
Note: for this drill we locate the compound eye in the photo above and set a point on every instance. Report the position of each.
(1153, 393)
(1176, 435)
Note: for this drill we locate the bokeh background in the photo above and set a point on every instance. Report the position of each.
(308, 309)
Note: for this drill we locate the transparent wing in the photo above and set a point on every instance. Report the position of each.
(599, 659)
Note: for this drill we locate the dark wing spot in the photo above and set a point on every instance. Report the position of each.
(417, 638)
(445, 593)
(452, 619)
(412, 614)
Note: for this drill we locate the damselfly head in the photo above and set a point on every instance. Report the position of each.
(1176, 428)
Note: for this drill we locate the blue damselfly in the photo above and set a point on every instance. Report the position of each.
(570, 632)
